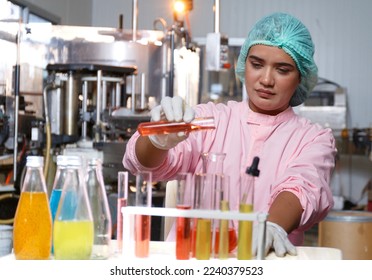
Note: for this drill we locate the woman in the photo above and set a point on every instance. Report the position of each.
(297, 157)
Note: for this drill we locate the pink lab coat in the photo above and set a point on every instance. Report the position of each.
(295, 155)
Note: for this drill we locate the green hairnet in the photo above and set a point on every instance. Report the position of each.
(288, 33)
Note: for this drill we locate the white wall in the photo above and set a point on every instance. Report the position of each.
(71, 12)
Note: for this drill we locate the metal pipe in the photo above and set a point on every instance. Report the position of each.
(16, 100)
(84, 110)
(134, 19)
(98, 105)
(104, 95)
(47, 127)
(217, 16)
(143, 90)
(71, 106)
(171, 64)
(117, 95)
(133, 94)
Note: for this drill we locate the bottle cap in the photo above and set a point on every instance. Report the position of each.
(73, 160)
(253, 169)
(35, 161)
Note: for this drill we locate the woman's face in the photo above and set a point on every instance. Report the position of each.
(271, 78)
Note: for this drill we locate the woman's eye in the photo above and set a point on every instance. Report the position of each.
(256, 64)
(283, 70)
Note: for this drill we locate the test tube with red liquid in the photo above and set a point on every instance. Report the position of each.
(142, 228)
(183, 201)
(166, 127)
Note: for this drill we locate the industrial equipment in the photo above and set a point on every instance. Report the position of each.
(84, 90)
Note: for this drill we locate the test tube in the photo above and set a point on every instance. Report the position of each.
(142, 228)
(165, 127)
(204, 198)
(246, 199)
(223, 238)
(184, 199)
(122, 202)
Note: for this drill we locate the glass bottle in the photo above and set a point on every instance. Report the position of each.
(100, 210)
(32, 233)
(73, 224)
(213, 162)
(59, 180)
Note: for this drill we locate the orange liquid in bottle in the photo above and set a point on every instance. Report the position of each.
(32, 235)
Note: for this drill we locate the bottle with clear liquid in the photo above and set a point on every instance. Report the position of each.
(32, 228)
(100, 209)
(73, 231)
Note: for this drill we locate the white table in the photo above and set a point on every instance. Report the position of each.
(166, 250)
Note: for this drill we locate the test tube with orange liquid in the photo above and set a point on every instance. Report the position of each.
(142, 229)
(166, 127)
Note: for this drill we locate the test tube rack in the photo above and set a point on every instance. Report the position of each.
(129, 211)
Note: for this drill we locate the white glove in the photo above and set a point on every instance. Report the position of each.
(171, 109)
(276, 239)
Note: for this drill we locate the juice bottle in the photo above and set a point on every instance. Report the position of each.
(73, 232)
(59, 180)
(32, 233)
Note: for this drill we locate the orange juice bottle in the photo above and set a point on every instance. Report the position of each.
(32, 228)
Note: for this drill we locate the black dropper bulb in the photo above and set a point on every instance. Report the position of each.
(253, 169)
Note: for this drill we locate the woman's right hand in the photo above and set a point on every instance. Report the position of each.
(174, 110)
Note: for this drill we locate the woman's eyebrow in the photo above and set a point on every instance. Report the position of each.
(255, 57)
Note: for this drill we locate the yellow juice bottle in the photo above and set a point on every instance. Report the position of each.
(73, 230)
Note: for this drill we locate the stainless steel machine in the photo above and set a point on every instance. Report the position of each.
(84, 90)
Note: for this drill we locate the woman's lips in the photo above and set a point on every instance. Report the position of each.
(264, 93)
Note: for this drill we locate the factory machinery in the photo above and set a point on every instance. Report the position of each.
(84, 90)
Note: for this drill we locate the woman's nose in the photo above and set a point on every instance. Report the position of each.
(267, 78)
